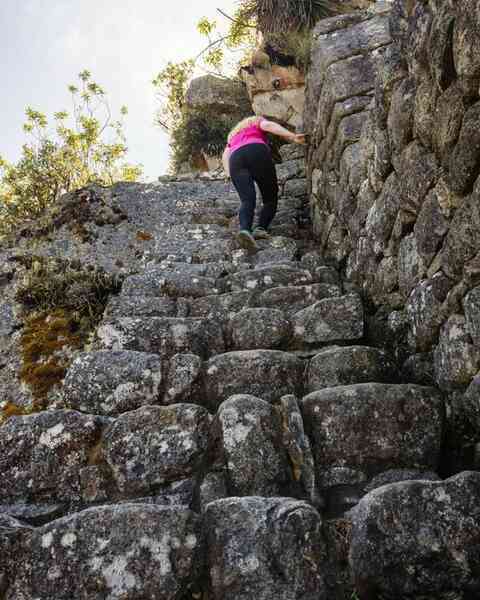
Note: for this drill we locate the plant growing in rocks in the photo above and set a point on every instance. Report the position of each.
(63, 302)
(84, 146)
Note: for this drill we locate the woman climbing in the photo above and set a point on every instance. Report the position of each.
(247, 160)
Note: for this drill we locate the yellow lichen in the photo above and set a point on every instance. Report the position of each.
(43, 339)
(144, 236)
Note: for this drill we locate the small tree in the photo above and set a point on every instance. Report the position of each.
(86, 146)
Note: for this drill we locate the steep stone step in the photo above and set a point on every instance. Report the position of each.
(435, 524)
(266, 374)
(42, 456)
(111, 383)
(264, 548)
(257, 328)
(290, 300)
(161, 283)
(330, 320)
(358, 431)
(163, 336)
(293, 299)
(155, 445)
(130, 550)
(246, 445)
(139, 305)
(268, 277)
(335, 366)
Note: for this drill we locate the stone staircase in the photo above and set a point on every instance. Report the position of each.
(212, 442)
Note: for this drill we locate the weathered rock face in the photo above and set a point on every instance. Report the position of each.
(264, 548)
(225, 100)
(409, 538)
(217, 93)
(361, 430)
(393, 168)
(276, 92)
(128, 551)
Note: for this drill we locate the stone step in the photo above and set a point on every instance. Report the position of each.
(265, 548)
(288, 299)
(163, 335)
(155, 446)
(269, 277)
(358, 431)
(433, 523)
(330, 320)
(336, 366)
(113, 382)
(158, 282)
(266, 374)
(138, 305)
(130, 550)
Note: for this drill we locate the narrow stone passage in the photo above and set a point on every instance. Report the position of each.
(212, 442)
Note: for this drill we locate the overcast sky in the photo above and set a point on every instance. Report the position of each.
(124, 43)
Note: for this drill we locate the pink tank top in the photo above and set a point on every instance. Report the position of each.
(252, 134)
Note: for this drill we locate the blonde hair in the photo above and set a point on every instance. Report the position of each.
(242, 125)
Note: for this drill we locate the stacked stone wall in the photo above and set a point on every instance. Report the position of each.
(393, 107)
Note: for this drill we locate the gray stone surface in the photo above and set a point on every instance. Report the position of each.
(155, 445)
(163, 336)
(296, 298)
(115, 552)
(264, 548)
(330, 320)
(110, 383)
(247, 434)
(456, 359)
(396, 475)
(390, 554)
(269, 277)
(267, 374)
(352, 364)
(184, 379)
(41, 455)
(372, 427)
(256, 328)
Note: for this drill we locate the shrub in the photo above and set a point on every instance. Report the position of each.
(90, 149)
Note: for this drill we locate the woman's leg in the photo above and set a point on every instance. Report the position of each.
(243, 181)
(264, 173)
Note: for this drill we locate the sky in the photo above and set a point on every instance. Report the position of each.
(124, 43)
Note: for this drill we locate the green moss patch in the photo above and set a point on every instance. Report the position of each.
(64, 302)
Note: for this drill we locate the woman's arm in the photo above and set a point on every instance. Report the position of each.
(276, 129)
(225, 160)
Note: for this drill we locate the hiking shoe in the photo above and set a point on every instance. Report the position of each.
(259, 233)
(246, 240)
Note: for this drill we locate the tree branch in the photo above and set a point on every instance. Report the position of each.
(214, 43)
(235, 20)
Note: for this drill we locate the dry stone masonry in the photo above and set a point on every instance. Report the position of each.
(277, 425)
(393, 168)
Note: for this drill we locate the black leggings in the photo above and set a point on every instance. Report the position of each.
(249, 164)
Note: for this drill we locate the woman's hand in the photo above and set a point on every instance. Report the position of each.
(299, 138)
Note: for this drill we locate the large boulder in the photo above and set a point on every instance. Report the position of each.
(110, 383)
(276, 91)
(115, 552)
(347, 365)
(264, 548)
(155, 445)
(249, 445)
(418, 539)
(42, 455)
(267, 374)
(218, 94)
(358, 431)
